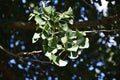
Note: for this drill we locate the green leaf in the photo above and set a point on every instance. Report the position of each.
(65, 27)
(74, 55)
(39, 20)
(48, 10)
(48, 54)
(59, 46)
(46, 17)
(52, 41)
(43, 3)
(80, 40)
(54, 51)
(64, 39)
(72, 34)
(31, 16)
(71, 21)
(49, 24)
(36, 37)
(81, 33)
(73, 48)
(66, 16)
(58, 61)
(86, 45)
(50, 49)
(46, 28)
(36, 10)
(69, 11)
(61, 16)
(43, 36)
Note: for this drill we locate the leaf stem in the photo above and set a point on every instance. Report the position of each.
(61, 52)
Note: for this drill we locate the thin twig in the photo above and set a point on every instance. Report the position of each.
(105, 21)
(29, 53)
(7, 52)
(19, 56)
(102, 31)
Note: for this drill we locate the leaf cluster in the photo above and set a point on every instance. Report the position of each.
(57, 36)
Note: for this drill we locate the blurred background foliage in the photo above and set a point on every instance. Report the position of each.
(101, 61)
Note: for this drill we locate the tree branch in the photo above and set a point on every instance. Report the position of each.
(20, 25)
(114, 30)
(24, 53)
(104, 21)
(31, 26)
(29, 53)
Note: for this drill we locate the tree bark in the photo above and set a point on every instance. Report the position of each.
(108, 20)
(31, 26)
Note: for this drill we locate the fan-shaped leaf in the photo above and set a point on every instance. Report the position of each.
(64, 39)
(86, 45)
(36, 37)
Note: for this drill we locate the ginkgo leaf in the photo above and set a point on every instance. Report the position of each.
(36, 37)
(31, 16)
(52, 41)
(86, 45)
(43, 36)
(73, 48)
(74, 55)
(56, 60)
(59, 62)
(65, 27)
(69, 11)
(64, 39)
(39, 20)
(59, 46)
(48, 10)
(54, 51)
(48, 54)
(71, 21)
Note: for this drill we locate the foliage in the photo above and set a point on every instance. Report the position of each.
(99, 62)
(57, 37)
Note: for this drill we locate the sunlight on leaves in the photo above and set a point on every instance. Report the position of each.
(57, 37)
(64, 39)
(36, 37)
